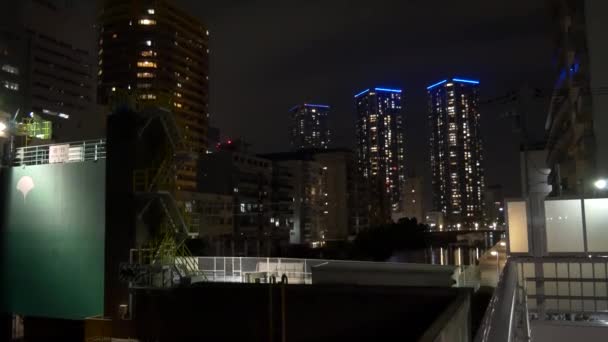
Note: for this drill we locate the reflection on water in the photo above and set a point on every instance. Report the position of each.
(448, 254)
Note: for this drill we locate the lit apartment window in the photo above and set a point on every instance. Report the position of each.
(148, 53)
(148, 42)
(150, 10)
(177, 104)
(10, 69)
(11, 85)
(115, 35)
(147, 97)
(147, 22)
(145, 75)
(146, 64)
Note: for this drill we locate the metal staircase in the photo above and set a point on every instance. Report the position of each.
(158, 185)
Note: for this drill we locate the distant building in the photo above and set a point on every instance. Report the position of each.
(456, 152)
(324, 188)
(309, 202)
(345, 205)
(381, 149)
(208, 214)
(159, 53)
(435, 220)
(309, 126)
(494, 206)
(48, 69)
(249, 180)
(213, 139)
(577, 125)
(412, 199)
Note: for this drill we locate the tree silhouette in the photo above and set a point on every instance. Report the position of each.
(381, 242)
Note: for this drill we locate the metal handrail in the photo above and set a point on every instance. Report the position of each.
(91, 150)
(497, 323)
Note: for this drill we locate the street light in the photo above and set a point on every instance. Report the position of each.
(600, 184)
(495, 253)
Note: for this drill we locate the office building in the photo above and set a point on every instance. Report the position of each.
(259, 216)
(159, 53)
(381, 149)
(456, 152)
(344, 201)
(576, 125)
(309, 126)
(323, 187)
(411, 200)
(48, 70)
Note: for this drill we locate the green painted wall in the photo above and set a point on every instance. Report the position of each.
(53, 240)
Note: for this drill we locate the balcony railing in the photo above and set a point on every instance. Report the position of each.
(73, 152)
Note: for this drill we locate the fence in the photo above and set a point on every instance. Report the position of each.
(298, 271)
(545, 288)
(80, 151)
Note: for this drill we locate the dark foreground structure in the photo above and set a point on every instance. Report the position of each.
(277, 312)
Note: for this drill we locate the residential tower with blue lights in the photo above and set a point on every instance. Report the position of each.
(309, 126)
(381, 148)
(456, 151)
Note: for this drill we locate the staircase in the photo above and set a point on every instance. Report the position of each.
(157, 184)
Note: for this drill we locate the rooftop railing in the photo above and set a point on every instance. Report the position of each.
(80, 151)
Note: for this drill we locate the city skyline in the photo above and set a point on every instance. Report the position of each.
(287, 64)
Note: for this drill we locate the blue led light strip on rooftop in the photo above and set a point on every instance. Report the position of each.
(389, 90)
(315, 105)
(436, 84)
(361, 93)
(465, 81)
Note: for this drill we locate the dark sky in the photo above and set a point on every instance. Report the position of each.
(267, 56)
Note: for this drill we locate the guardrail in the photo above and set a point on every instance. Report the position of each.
(573, 289)
(80, 151)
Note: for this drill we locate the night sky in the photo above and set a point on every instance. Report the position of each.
(267, 56)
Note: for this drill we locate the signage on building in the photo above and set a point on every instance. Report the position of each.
(59, 153)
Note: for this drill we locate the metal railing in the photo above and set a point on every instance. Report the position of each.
(573, 289)
(72, 152)
(298, 271)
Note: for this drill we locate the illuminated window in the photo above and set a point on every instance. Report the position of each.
(146, 64)
(115, 35)
(150, 10)
(177, 104)
(149, 42)
(11, 85)
(147, 22)
(148, 53)
(10, 69)
(145, 75)
(147, 97)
